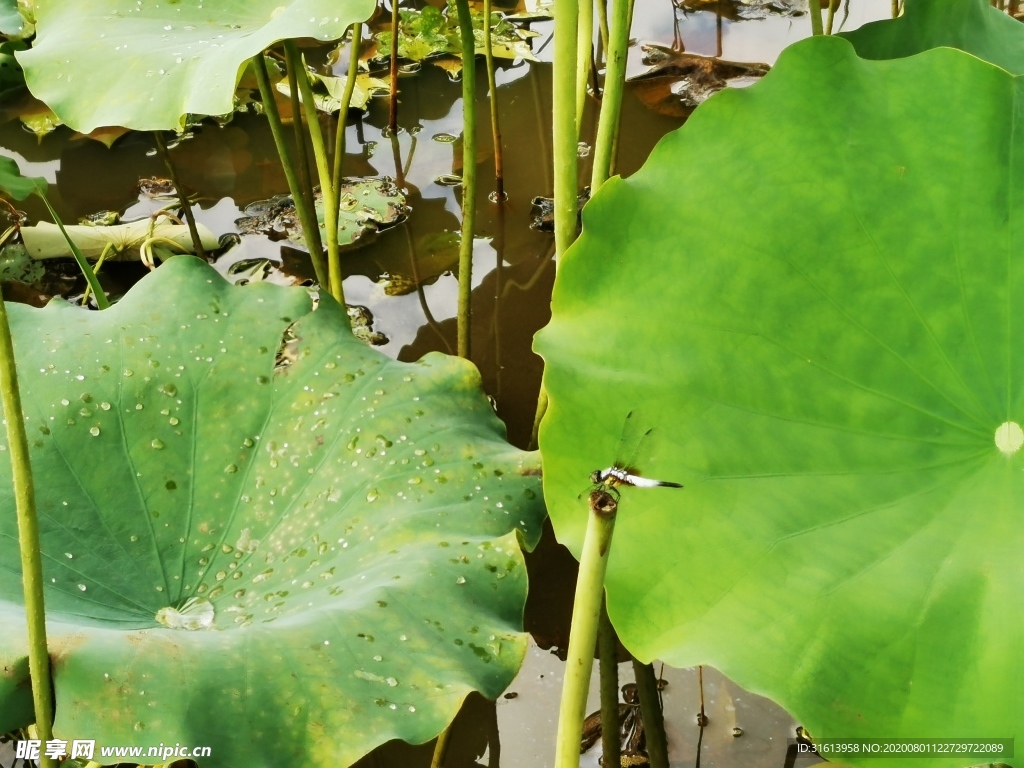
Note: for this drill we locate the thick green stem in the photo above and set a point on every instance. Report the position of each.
(90, 277)
(346, 102)
(323, 169)
(611, 104)
(393, 110)
(499, 164)
(815, 6)
(299, 136)
(28, 537)
(650, 708)
(586, 612)
(465, 313)
(307, 217)
(584, 44)
(186, 207)
(564, 119)
(608, 653)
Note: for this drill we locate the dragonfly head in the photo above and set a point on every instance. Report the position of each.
(595, 477)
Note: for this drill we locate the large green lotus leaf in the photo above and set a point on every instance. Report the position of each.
(289, 561)
(969, 25)
(145, 64)
(823, 326)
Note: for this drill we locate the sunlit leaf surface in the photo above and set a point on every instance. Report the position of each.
(822, 322)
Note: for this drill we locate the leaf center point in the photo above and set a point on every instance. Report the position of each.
(1009, 437)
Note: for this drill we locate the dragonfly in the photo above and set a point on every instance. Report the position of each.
(625, 472)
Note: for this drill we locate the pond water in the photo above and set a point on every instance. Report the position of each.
(404, 278)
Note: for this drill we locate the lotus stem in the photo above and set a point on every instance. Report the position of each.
(584, 44)
(90, 276)
(564, 120)
(499, 164)
(346, 102)
(441, 747)
(895, 8)
(327, 190)
(815, 7)
(186, 207)
(301, 155)
(28, 537)
(602, 24)
(393, 110)
(465, 312)
(586, 612)
(542, 408)
(307, 217)
(611, 103)
(608, 652)
(832, 4)
(650, 708)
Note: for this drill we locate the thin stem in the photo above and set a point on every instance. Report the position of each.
(90, 277)
(650, 708)
(895, 6)
(815, 6)
(611, 104)
(186, 207)
(499, 165)
(307, 217)
(564, 119)
(465, 312)
(323, 169)
(586, 611)
(602, 24)
(299, 136)
(608, 652)
(441, 747)
(346, 102)
(584, 43)
(28, 537)
(393, 112)
(831, 16)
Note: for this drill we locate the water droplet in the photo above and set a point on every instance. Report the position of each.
(372, 495)
(157, 444)
(94, 431)
(231, 469)
(174, 421)
(460, 580)
(195, 613)
(81, 587)
(105, 406)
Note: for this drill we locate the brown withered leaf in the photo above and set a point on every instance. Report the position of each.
(678, 82)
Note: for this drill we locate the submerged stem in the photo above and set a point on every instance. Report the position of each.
(586, 611)
(186, 207)
(465, 312)
(28, 537)
(499, 163)
(307, 217)
(608, 650)
(346, 101)
(650, 708)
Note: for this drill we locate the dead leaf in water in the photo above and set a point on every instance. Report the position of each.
(678, 82)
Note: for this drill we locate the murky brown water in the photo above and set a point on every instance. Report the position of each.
(513, 273)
